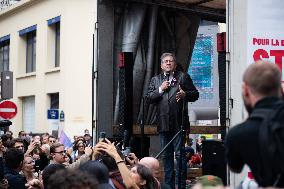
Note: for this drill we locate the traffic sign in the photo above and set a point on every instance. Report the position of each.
(8, 109)
(52, 114)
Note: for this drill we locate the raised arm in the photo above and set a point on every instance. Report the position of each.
(110, 149)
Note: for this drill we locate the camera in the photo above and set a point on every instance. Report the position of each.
(5, 123)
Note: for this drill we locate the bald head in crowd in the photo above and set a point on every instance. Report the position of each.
(261, 79)
(153, 164)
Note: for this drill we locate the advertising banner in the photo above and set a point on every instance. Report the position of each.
(265, 31)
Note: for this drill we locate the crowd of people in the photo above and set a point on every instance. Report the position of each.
(40, 161)
(194, 155)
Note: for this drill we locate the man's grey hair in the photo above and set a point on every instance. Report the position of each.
(164, 55)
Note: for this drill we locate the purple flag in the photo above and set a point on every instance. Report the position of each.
(64, 139)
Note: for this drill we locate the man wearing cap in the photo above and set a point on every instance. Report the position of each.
(88, 140)
(168, 91)
(208, 181)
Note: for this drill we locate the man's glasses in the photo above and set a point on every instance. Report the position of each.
(52, 141)
(61, 152)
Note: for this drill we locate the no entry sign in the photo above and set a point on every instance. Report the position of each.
(8, 109)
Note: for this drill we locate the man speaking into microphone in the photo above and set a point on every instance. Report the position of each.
(168, 91)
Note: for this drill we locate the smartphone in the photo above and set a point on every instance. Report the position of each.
(102, 137)
(36, 166)
(126, 151)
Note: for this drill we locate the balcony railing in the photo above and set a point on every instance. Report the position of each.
(7, 3)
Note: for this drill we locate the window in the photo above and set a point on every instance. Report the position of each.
(4, 53)
(57, 44)
(28, 41)
(54, 100)
(31, 52)
(29, 113)
(54, 104)
(54, 41)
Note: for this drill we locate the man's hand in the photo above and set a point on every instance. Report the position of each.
(109, 148)
(69, 151)
(88, 151)
(132, 159)
(165, 85)
(34, 184)
(96, 153)
(31, 147)
(4, 184)
(180, 94)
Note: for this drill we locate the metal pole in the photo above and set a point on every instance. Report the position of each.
(142, 129)
(162, 151)
(181, 147)
(94, 85)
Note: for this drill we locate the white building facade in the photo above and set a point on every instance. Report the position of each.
(48, 45)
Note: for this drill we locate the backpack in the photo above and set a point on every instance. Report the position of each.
(271, 143)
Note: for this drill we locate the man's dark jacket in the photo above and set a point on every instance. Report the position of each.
(169, 111)
(242, 146)
(15, 180)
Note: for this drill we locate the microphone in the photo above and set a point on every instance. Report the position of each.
(168, 76)
(168, 79)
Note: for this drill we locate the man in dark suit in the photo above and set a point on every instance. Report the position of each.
(168, 91)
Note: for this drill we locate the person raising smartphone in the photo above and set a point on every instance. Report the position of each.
(139, 177)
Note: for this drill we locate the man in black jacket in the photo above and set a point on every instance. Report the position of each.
(13, 164)
(168, 91)
(261, 90)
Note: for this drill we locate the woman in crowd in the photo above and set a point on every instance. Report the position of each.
(78, 150)
(28, 170)
(139, 177)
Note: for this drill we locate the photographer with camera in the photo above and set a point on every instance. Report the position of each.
(38, 155)
(116, 179)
